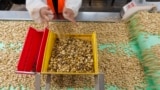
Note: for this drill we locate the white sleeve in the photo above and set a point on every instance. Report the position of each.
(33, 7)
(74, 5)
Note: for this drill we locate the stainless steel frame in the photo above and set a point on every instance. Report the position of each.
(83, 16)
(99, 82)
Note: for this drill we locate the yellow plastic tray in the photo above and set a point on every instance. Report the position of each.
(49, 46)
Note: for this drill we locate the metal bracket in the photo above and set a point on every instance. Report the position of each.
(48, 80)
(99, 82)
(37, 81)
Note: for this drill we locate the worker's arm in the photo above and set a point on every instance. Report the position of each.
(73, 5)
(39, 10)
(36, 8)
(71, 9)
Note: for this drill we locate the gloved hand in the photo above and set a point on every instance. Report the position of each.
(46, 14)
(69, 15)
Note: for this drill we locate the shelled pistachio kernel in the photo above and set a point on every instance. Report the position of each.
(71, 55)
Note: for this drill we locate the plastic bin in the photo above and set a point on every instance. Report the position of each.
(50, 44)
(31, 57)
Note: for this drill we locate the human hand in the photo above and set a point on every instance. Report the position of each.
(69, 14)
(46, 14)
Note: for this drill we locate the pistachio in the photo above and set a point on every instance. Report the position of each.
(73, 58)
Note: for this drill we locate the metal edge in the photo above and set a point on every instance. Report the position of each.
(82, 16)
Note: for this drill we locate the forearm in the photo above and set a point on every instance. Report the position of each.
(33, 7)
(74, 5)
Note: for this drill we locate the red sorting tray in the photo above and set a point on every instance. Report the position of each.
(41, 52)
(32, 52)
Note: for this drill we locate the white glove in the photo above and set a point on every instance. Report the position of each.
(69, 14)
(46, 14)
